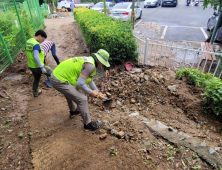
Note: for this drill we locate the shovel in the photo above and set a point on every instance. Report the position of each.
(48, 82)
(106, 100)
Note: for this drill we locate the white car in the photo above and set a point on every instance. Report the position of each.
(85, 4)
(64, 4)
(123, 11)
(99, 6)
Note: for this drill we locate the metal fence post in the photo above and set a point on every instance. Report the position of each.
(183, 62)
(146, 51)
(31, 16)
(4, 7)
(39, 12)
(217, 67)
(5, 46)
(20, 23)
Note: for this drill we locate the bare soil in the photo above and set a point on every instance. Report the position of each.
(51, 140)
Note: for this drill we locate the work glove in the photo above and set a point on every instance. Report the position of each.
(43, 70)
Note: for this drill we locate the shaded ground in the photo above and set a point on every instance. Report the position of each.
(53, 141)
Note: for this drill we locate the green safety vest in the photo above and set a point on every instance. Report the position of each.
(69, 70)
(30, 55)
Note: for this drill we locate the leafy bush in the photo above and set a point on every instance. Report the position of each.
(211, 85)
(13, 35)
(102, 31)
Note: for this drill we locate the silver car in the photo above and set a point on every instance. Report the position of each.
(99, 6)
(151, 3)
(212, 21)
(123, 11)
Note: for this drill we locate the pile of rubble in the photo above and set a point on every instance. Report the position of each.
(132, 93)
(138, 89)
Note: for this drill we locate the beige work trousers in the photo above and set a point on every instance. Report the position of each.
(73, 95)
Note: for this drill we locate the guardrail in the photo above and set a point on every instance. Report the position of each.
(177, 55)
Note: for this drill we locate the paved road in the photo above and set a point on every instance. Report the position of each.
(177, 23)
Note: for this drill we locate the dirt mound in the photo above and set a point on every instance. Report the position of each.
(158, 95)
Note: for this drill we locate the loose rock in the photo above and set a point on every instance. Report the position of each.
(103, 136)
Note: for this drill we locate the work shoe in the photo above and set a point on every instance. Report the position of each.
(93, 126)
(73, 114)
(37, 94)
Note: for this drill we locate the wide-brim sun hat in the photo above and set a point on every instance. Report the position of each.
(103, 57)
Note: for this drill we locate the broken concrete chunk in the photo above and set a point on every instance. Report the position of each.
(115, 83)
(108, 94)
(148, 72)
(146, 77)
(120, 134)
(103, 136)
(203, 144)
(132, 100)
(118, 103)
(142, 75)
(153, 79)
(134, 114)
(212, 151)
(217, 148)
(172, 88)
(113, 132)
(137, 79)
(137, 70)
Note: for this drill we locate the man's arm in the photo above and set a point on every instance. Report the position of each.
(37, 59)
(36, 50)
(87, 70)
(93, 85)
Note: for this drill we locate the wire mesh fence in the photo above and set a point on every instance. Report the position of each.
(18, 22)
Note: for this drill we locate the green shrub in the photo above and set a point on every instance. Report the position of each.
(102, 31)
(211, 85)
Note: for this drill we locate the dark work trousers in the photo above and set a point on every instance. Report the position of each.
(37, 72)
(53, 50)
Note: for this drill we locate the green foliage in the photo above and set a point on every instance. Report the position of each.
(102, 31)
(215, 4)
(13, 34)
(30, 133)
(197, 167)
(195, 77)
(21, 135)
(113, 153)
(211, 85)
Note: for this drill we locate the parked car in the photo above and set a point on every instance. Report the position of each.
(212, 21)
(99, 6)
(65, 4)
(169, 3)
(123, 11)
(84, 4)
(151, 3)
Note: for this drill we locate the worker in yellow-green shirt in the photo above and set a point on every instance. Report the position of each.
(35, 56)
(73, 74)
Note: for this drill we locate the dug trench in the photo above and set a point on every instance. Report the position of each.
(54, 141)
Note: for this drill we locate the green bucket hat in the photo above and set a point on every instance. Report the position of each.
(103, 57)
